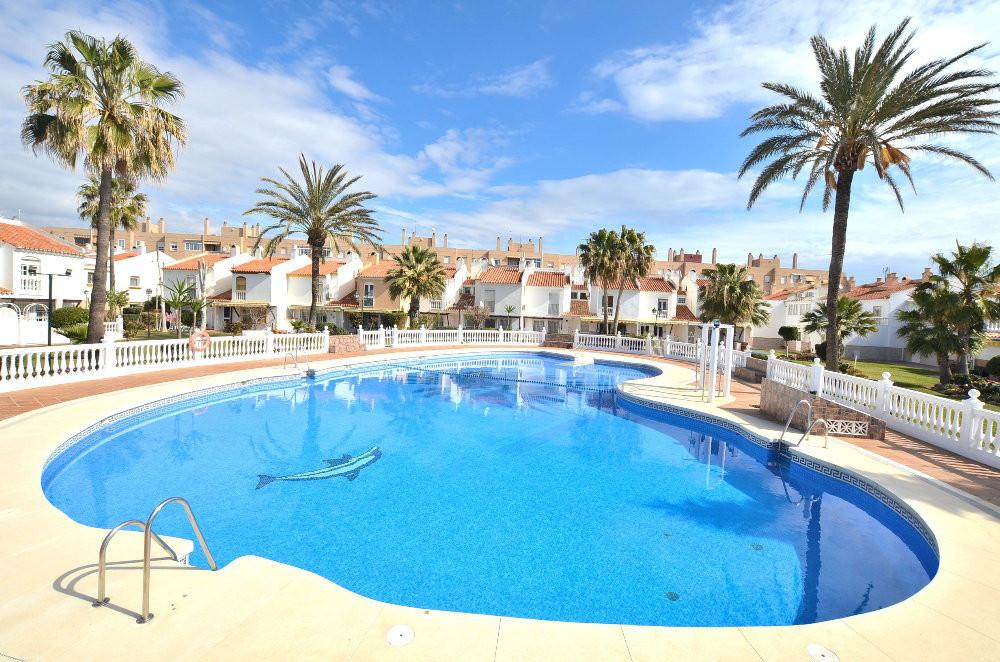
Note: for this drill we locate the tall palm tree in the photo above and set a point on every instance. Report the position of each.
(868, 110)
(419, 274)
(732, 297)
(127, 208)
(598, 257)
(103, 105)
(852, 319)
(977, 282)
(321, 208)
(635, 258)
(930, 326)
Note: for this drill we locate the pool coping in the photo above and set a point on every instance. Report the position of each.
(945, 620)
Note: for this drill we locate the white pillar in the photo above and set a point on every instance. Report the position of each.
(883, 393)
(972, 423)
(713, 363)
(460, 335)
(816, 378)
(727, 382)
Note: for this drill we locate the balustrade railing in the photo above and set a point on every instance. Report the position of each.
(964, 427)
(27, 367)
(382, 337)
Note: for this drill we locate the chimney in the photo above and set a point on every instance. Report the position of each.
(680, 255)
(162, 225)
(891, 278)
(927, 274)
(878, 281)
(510, 243)
(749, 259)
(445, 240)
(670, 255)
(376, 257)
(131, 239)
(140, 247)
(541, 244)
(851, 283)
(402, 236)
(434, 237)
(498, 242)
(715, 255)
(234, 250)
(206, 228)
(243, 232)
(795, 260)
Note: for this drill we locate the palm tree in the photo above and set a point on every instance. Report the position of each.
(419, 274)
(103, 104)
(598, 259)
(930, 328)
(852, 318)
(868, 111)
(732, 297)
(977, 281)
(179, 296)
(635, 258)
(509, 309)
(320, 208)
(127, 208)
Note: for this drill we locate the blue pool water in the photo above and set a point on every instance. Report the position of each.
(518, 485)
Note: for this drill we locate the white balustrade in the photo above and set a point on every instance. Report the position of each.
(423, 337)
(27, 367)
(964, 427)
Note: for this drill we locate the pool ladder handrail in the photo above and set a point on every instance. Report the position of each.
(810, 424)
(148, 536)
(295, 359)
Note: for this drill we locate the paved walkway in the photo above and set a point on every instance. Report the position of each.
(955, 470)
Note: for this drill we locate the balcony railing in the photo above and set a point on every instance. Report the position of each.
(239, 295)
(31, 284)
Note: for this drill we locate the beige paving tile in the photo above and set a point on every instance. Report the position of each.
(522, 639)
(653, 644)
(439, 636)
(969, 602)
(790, 643)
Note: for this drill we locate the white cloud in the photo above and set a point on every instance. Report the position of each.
(517, 82)
(243, 122)
(746, 42)
(341, 78)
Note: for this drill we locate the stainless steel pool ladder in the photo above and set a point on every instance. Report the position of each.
(810, 424)
(148, 536)
(295, 358)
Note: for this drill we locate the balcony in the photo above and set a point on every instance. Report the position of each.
(239, 295)
(31, 284)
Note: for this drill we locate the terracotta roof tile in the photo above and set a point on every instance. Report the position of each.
(380, 270)
(579, 307)
(222, 296)
(325, 268)
(580, 288)
(879, 289)
(465, 300)
(259, 266)
(21, 236)
(469, 282)
(4, 290)
(125, 256)
(652, 284)
(191, 263)
(547, 279)
(500, 276)
(684, 314)
(449, 272)
(350, 299)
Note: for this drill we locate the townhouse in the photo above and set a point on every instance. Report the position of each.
(27, 259)
(663, 306)
(786, 308)
(883, 299)
(137, 272)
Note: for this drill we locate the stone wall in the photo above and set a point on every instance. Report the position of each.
(345, 344)
(777, 400)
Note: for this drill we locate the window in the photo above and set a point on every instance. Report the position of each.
(877, 311)
(160, 246)
(554, 303)
(29, 269)
(121, 244)
(532, 262)
(133, 281)
(435, 304)
(490, 300)
(767, 278)
(682, 299)
(173, 246)
(467, 290)
(609, 302)
(446, 260)
(513, 261)
(327, 252)
(369, 296)
(240, 292)
(496, 262)
(550, 265)
(190, 245)
(782, 280)
(663, 305)
(81, 241)
(90, 278)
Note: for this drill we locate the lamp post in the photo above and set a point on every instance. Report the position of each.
(48, 316)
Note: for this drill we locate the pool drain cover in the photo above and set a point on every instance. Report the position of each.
(821, 653)
(399, 635)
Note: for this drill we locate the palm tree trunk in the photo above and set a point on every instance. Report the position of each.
(841, 207)
(604, 304)
(963, 356)
(99, 290)
(111, 259)
(618, 302)
(944, 368)
(314, 252)
(414, 311)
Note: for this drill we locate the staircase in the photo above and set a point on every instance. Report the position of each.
(558, 340)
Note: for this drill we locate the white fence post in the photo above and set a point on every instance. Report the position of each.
(576, 338)
(884, 385)
(269, 343)
(816, 386)
(423, 335)
(110, 361)
(543, 336)
(326, 338)
(971, 417)
(771, 358)
(618, 341)
(461, 339)
(500, 334)
(361, 335)
(649, 344)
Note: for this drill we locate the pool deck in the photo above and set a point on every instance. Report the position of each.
(256, 609)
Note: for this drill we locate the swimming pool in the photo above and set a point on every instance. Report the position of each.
(518, 485)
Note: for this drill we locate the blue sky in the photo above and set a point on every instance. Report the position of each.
(510, 118)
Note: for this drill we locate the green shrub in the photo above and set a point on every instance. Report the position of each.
(69, 316)
(233, 328)
(132, 328)
(301, 326)
(993, 366)
(789, 333)
(336, 330)
(821, 350)
(396, 319)
(355, 319)
(75, 332)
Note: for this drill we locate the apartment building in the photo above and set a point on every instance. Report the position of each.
(786, 308)
(883, 299)
(137, 272)
(27, 257)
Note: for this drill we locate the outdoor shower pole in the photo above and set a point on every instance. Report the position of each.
(714, 359)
